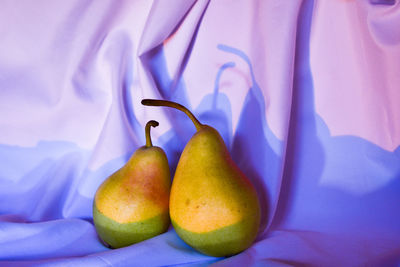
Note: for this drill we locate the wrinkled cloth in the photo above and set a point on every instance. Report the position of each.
(306, 95)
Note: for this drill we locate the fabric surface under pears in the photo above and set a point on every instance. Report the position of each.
(304, 93)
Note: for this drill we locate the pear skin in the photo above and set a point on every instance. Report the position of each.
(213, 206)
(132, 205)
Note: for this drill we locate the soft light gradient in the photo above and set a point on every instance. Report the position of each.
(306, 95)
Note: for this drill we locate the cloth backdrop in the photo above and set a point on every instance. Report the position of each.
(306, 95)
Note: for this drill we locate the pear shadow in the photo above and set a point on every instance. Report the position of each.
(254, 156)
(252, 150)
(215, 109)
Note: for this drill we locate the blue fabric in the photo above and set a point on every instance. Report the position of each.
(322, 150)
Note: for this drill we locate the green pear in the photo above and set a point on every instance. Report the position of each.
(132, 205)
(213, 205)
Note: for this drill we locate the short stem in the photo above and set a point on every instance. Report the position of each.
(165, 103)
(147, 132)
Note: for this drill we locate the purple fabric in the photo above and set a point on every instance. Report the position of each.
(306, 95)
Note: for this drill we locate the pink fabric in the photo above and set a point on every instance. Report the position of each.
(305, 94)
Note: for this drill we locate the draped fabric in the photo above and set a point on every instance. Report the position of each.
(306, 95)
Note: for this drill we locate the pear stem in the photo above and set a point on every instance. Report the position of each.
(147, 132)
(165, 103)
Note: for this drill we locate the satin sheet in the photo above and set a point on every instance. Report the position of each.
(306, 95)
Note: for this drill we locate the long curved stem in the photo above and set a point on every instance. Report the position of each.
(165, 103)
(147, 132)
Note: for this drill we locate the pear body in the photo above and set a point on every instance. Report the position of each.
(132, 205)
(213, 206)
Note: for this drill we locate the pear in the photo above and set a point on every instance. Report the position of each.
(132, 205)
(213, 206)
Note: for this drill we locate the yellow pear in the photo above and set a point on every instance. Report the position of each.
(132, 204)
(213, 205)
